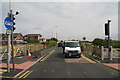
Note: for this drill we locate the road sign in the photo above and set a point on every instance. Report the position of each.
(84, 38)
(8, 22)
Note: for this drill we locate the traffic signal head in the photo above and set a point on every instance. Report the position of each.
(13, 23)
(13, 18)
(17, 13)
(14, 28)
(106, 29)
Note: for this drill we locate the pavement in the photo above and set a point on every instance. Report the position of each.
(111, 64)
(50, 63)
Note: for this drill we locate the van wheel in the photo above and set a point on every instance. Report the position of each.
(79, 56)
(66, 56)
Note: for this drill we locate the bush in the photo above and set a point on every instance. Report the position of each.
(103, 42)
(51, 43)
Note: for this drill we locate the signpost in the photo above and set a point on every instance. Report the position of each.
(8, 22)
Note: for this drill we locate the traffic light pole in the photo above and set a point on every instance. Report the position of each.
(12, 49)
(9, 53)
(109, 55)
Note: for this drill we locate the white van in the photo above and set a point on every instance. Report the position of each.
(71, 48)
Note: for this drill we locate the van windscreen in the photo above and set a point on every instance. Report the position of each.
(72, 44)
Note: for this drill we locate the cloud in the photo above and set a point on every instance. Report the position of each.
(74, 19)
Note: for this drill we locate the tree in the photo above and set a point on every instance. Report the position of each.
(54, 39)
(104, 42)
(99, 42)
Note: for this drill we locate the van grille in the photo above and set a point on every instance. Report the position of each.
(73, 51)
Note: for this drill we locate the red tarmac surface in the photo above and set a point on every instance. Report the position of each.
(113, 65)
(18, 66)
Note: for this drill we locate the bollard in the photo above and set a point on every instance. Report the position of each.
(111, 54)
(102, 52)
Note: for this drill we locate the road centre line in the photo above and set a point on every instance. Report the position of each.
(47, 56)
(88, 59)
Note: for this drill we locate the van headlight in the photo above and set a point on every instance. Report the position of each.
(79, 51)
(66, 51)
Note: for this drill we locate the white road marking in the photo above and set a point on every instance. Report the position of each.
(52, 71)
(112, 73)
(69, 72)
(84, 72)
(44, 70)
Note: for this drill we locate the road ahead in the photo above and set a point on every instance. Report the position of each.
(55, 65)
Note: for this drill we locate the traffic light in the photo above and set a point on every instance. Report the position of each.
(13, 28)
(13, 18)
(106, 29)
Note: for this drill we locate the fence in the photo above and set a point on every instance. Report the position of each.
(20, 50)
(102, 52)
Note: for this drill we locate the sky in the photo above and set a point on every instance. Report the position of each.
(64, 20)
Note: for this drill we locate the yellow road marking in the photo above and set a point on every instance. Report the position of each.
(24, 74)
(47, 56)
(88, 59)
(28, 74)
(2, 71)
(5, 77)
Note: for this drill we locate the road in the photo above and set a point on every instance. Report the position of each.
(55, 65)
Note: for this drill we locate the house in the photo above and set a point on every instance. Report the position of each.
(43, 40)
(33, 36)
(17, 38)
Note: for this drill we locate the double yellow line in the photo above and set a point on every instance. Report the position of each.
(2, 71)
(43, 59)
(27, 73)
(88, 59)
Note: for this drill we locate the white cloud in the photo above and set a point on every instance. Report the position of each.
(76, 19)
(61, 0)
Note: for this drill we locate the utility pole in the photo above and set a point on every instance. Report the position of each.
(56, 35)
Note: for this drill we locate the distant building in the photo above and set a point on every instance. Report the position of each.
(43, 40)
(33, 36)
(17, 38)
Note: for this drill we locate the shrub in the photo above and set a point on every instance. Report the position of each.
(51, 43)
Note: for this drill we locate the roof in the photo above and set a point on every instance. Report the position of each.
(33, 35)
(14, 35)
